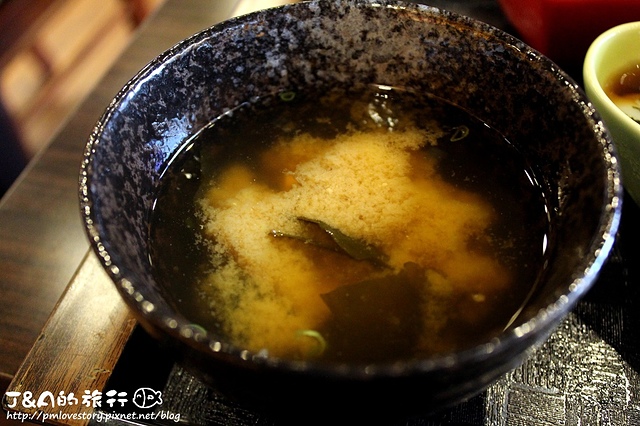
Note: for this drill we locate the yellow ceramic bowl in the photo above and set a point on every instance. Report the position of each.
(610, 54)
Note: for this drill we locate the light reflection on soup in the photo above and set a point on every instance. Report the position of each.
(624, 90)
(350, 227)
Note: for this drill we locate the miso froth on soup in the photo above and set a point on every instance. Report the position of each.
(360, 227)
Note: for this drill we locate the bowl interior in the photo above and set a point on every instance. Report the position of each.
(326, 44)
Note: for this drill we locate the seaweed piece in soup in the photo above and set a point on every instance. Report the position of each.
(376, 319)
(369, 225)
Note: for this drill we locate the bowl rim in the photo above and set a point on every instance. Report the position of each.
(534, 330)
(590, 75)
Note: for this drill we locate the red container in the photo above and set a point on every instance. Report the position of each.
(564, 29)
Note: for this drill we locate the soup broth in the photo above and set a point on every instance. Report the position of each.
(624, 90)
(368, 226)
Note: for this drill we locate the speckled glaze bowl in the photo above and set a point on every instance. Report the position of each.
(322, 44)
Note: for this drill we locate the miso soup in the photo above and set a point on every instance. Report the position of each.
(349, 226)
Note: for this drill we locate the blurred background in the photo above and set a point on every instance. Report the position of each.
(52, 53)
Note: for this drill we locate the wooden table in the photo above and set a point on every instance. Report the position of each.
(42, 242)
(54, 337)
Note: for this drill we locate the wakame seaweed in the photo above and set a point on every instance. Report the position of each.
(374, 318)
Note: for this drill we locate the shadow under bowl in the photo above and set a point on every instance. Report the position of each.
(324, 44)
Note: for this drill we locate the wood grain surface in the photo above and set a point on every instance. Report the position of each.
(76, 350)
(42, 241)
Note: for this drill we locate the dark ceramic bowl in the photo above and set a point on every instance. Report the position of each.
(322, 44)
